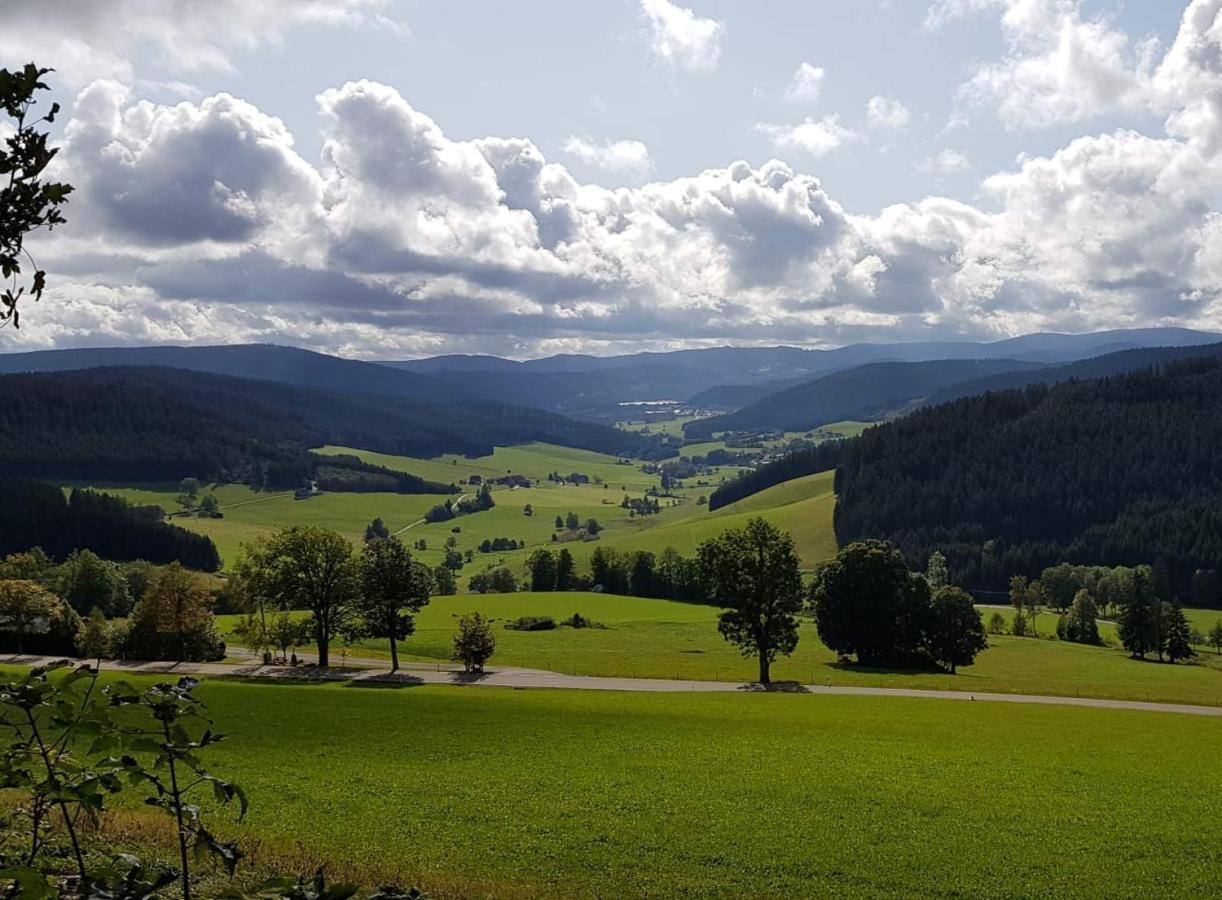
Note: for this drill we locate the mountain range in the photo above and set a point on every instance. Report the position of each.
(761, 387)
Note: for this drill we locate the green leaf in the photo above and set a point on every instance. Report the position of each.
(31, 884)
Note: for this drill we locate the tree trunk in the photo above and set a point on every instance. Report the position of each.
(324, 655)
(764, 679)
(952, 667)
(394, 656)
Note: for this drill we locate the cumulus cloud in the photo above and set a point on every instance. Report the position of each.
(806, 84)
(200, 221)
(1060, 64)
(88, 40)
(814, 137)
(886, 114)
(619, 157)
(681, 38)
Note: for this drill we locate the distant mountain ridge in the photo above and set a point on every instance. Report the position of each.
(864, 393)
(584, 386)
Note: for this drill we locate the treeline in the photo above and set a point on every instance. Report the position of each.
(35, 514)
(1116, 472)
(149, 423)
(346, 473)
(819, 458)
(668, 575)
(97, 608)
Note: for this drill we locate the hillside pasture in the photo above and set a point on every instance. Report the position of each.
(250, 514)
(535, 461)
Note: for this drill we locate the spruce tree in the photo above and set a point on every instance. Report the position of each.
(1178, 633)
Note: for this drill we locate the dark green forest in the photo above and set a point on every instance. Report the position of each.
(1113, 471)
(160, 424)
(34, 514)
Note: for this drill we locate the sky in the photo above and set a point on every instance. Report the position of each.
(400, 178)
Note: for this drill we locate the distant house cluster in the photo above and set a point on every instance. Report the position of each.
(511, 481)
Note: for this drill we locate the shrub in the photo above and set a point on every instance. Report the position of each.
(531, 623)
(577, 620)
(997, 623)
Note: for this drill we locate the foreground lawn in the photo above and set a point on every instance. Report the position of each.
(551, 793)
(661, 639)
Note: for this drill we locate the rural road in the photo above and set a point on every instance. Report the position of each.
(444, 674)
(421, 521)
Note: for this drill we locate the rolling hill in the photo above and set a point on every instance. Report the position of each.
(867, 392)
(161, 423)
(1122, 470)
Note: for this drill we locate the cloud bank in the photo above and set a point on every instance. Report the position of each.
(201, 222)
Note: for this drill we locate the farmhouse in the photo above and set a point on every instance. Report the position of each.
(512, 481)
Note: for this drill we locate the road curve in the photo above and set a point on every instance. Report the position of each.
(509, 677)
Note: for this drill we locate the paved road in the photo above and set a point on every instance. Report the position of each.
(443, 674)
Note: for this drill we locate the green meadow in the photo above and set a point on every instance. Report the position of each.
(249, 514)
(497, 792)
(663, 639)
(535, 461)
(803, 507)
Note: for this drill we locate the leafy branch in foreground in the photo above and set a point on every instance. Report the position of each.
(58, 720)
(176, 771)
(28, 203)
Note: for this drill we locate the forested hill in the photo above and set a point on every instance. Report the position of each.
(1113, 471)
(863, 393)
(1097, 367)
(157, 424)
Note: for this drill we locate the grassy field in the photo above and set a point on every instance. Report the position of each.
(535, 461)
(486, 792)
(803, 507)
(662, 639)
(250, 514)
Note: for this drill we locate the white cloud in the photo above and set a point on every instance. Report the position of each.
(200, 221)
(943, 163)
(815, 137)
(620, 157)
(806, 84)
(1060, 65)
(85, 39)
(681, 38)
(886, 114)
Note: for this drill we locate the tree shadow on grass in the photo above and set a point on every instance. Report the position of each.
(387, 680)
(777, 687)
(900, 669)
(468, 677)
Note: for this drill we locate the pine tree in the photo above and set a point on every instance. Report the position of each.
(564, 570)
(1137, 625)
(1178, 633)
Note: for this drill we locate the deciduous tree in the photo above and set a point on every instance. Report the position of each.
(25, 606)
(394, 588)
(754, 573)
(954, 633)
(474, 643)
(174, 620)
(309, 568)
(867, 603)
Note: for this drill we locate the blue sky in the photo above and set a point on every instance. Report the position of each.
(914, 168)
